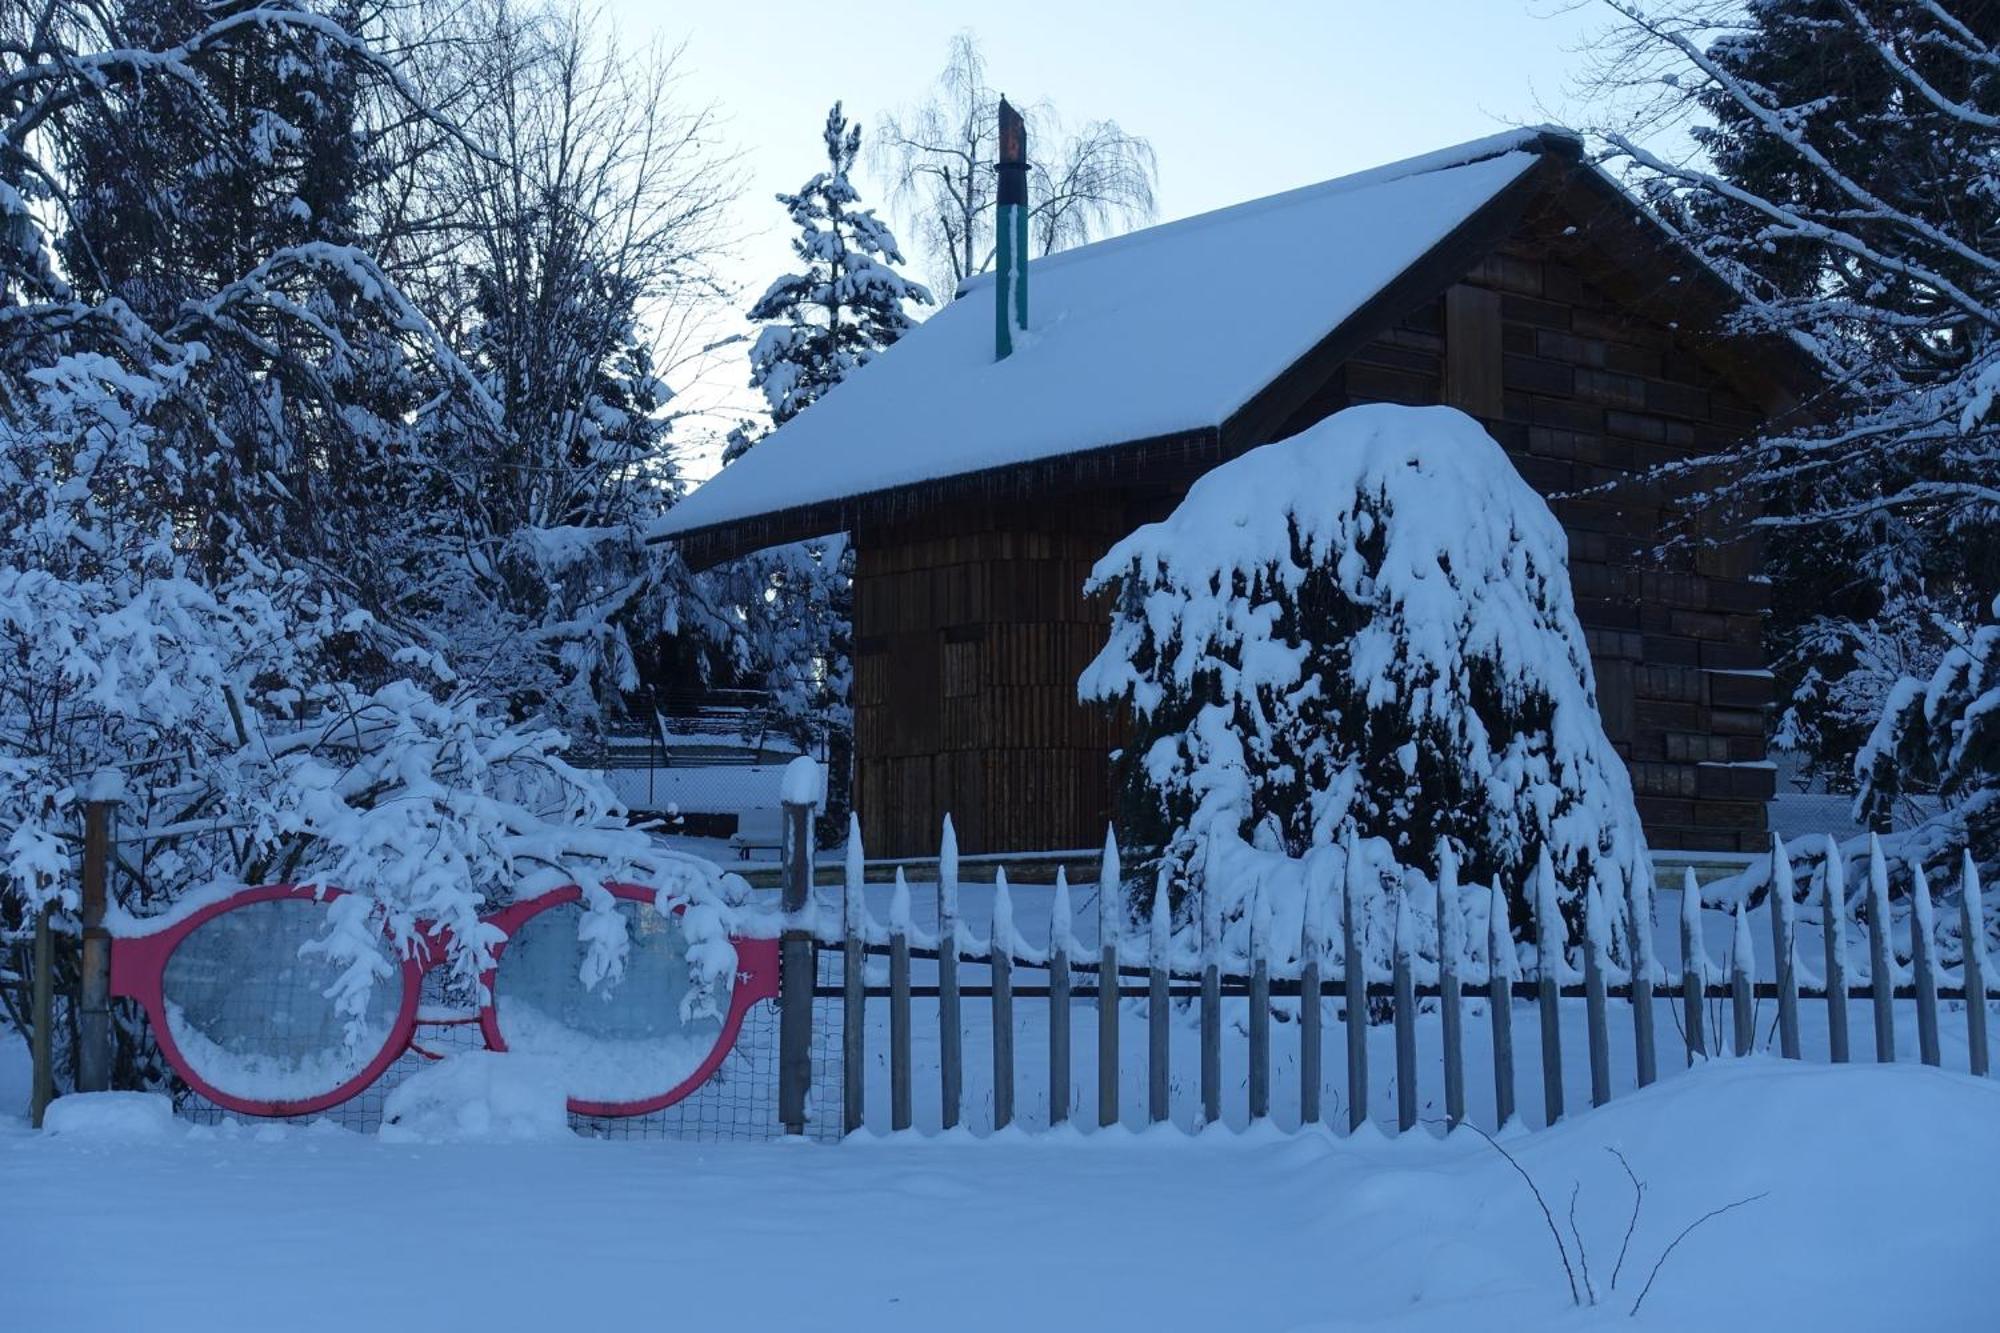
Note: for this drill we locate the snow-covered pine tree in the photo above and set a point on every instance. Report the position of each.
(1364, 631)
(1846, 188)
(846, 303)
(822, 322)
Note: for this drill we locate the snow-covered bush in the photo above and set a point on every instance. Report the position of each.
(1943, 736)
(1366, 631)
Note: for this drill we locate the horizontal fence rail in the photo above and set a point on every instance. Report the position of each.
(1432, 974)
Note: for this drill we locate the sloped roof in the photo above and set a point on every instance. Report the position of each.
(1156, 333)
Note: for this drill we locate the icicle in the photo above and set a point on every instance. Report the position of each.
(1691, 940)
(1451, 929)
(1060, 937)
(1501, 959)
(1548, 919)
(1974, 913)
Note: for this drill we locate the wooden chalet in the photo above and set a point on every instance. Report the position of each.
(1507, 278)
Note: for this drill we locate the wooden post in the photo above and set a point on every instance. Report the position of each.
(1833, 918)
(1311, 1041)
(1548, 969)
(1403, 980)
(1059, 948)
(1923, 962)
(951, 1037)
(1694, 965)
(1110, 912)
(1211, 999)
(899, 1005)
(1742, 964)
(42, 1087)
(1596, 934)
(853, 985)
(1002, 954)
(1354, 976)
(1784, 946)
(1881, 962)
(1500, 963)
(1260, 1004)
(1159, 946)
(1451, 957)
(796, 970)
(93, 1056)
(1639, 920)
(1972, 929)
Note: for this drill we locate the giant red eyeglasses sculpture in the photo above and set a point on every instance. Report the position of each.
(239, 993)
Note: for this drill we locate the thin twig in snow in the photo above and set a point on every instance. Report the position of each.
(1632, 1225)
(1547, 1216)
(1685, 1231)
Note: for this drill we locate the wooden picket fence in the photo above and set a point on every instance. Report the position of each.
(1318, 967)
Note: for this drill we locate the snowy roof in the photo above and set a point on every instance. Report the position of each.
(1165, 330)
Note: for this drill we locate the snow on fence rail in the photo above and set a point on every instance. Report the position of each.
(1143, 963)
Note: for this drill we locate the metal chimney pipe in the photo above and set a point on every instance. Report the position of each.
(1010, 228)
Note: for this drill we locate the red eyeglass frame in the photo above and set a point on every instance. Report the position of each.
(139, 967)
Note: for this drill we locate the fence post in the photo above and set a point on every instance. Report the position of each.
(797, 972)
(853, 985)
(1059, 941)
(1972, 929)
(1311, 1046)
(1260, 1004)
(1451, 955)
(1639, 916)
(899, 1004)
(1881, 961)
(1742, 963)
(1548, 968)
(1000, 954)
(1159, 946)
(1211, 999)
(1694, 965)
(1784, 945)
(1923, 961)
(93, 1056)
(1110, 888)
(42, 1090)
(1405, 1016)
(1833, 926)
(1500, 964)
(1596, 936)
(951, 1050)
(1354, 979)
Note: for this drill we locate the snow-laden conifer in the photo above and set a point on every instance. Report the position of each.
(1367, 627)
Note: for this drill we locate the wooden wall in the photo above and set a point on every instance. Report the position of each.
(971, 628)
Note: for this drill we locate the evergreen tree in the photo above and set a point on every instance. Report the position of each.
(846, 304)
(821, 323)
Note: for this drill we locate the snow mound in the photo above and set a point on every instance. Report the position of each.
(112, 1117)
(479, 1096)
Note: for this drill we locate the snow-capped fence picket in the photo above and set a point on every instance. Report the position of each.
(1186, 971)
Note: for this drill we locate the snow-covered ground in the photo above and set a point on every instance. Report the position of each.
(1871, 1206)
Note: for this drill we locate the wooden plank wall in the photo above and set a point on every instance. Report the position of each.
(1588, 395)
(971, 629)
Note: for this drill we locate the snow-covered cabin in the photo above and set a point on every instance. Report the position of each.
(1505, 277)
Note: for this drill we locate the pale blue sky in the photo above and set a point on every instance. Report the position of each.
(1239, 99)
